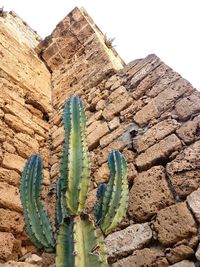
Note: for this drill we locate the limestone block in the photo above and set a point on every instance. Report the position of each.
(179, 253)
(119, 103)
(9, 176)
(184, 263)
(108, 139)
(18, 264)
(126, 241)
(158, 152)
(197, 254)
(193, 201)
(155, 134)
(149, 194)
(174, 224)
(188, 131)
(162, 101)
(7, 241)
(184, 170)
(102, 174)
(59, 138)
(13, 162)
(8, 147)
(164, 82)
(11, 221)
(29, 141)
(100, 129)
(149, 81)
(90, 201)
(143, 257)
(34, 259)
(114, 123)
(192, 103)
(9, 197)
(17, 125)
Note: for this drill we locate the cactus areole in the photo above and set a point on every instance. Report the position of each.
(79, 240)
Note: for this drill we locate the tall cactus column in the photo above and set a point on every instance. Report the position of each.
(79, 243)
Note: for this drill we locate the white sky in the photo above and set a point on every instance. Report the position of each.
(168, 28)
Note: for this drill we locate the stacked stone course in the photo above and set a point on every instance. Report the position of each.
(144, 109)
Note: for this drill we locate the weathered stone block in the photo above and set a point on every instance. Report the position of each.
(155, 134)
(158, 152)
(149, 194)
(13, 162)
(7, 241)
(9, 176)
(119, 103)
(188, 131)
(179, 253)
(126, 241)
(193, 201)
(102, 174)
(184, 263)
(184, 170)
(192, 103)
(114, 123)
(9, 197)
(11, 221)
(162, 101)
(174, 224)
(144, 257)
(100, 129)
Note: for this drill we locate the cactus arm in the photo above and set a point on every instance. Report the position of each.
(115, 198)
(37, 223)
(61, 212)
(65, 245)
(75, 171)
(87, 248)
(99, 203)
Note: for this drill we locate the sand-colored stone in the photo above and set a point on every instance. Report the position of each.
(179, 253)
(11, 221)
(184, 170)
(9, 176)
(13, 162)
(193, 201)
(100, 129)
(174, 224)
(158, 152)
(149, 194)
(9, 197)
(6, 245)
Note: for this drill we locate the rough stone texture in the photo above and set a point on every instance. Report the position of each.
(155, 134)
(18, 264)
(189, 131)
(184, 263)
(174, 224)
(149, 194)
(9, 197)
(192, 103)
(126, 241)
(179, 253)
(11, 221)
(197, 254)
(144, 109)
(6, 245)
(193, 201)
(143, 258)
(158, 152)
(184, 170)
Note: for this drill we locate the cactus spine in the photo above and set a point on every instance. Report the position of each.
(79, 244)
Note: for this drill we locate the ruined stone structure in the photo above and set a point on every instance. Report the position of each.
(144, 109)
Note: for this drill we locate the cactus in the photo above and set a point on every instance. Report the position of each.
(79, 243)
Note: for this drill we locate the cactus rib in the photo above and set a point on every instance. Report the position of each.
(115, 197)
(36, 220)
(61, 212)
(75, 169)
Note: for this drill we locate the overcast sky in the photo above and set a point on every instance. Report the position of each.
(168, 28)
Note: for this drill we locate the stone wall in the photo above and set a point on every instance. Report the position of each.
(145, 110)
(25, 92)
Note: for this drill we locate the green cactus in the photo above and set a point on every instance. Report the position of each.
(79, 244)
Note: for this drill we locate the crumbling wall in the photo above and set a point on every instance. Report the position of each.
(24, 105)
(145, 110)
